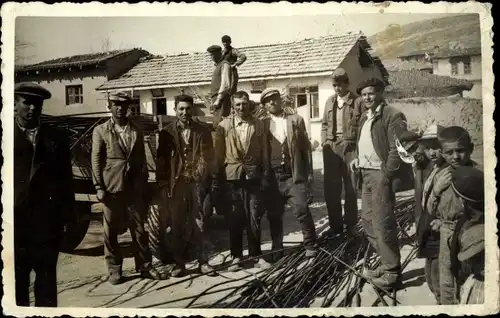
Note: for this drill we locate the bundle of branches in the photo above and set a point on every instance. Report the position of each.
(334, 275)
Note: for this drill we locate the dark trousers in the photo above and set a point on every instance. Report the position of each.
(122, 210)
(43, 260)
(183, 214)
(379, 221)
(283, 190)
(246, 211)
(338, 177)
(432, 277)
(223, 111)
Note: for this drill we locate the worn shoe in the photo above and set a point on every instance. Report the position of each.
(372, 274)
(115, 278)
(154, 274)
(207, 270)
(387, 280)
(178, 270)
(351, 232)
(235, 266)
(263, 264)
(311, 252)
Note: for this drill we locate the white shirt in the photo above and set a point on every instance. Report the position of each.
(125, 133)
(278, 127)
(368, 158)
(242, 130)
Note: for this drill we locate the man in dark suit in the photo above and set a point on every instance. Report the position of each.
(243, 159)
(120, 177)
(339, 129)
(383, 173)
(184, 162)
(291, 172)
(43, 196)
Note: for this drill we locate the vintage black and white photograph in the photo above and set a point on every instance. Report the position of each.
(267, 157)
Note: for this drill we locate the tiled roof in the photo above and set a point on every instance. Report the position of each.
(458, 52)
(397, 65)
(316, 55)
(75, 60)
(414, 79)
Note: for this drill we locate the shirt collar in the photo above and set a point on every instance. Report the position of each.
(282, 115)
(377, 110)
(181, 125)
(238, 120)
(24, 129)
(344, 98)
(116, 123)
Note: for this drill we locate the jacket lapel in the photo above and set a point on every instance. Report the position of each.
(290, 134)
(251, 132)
(134, 130)
(42, 147)
(115, 138)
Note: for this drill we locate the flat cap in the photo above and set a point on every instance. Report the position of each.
(409, 139)
(468, 183)
(471, 242)
(267, 93)
(432, 132)
(340, 76)
(32, 89)
(214, 48)
(375, 82)
(119, 97)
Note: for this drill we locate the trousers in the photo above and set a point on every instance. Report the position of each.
(246, 212)
(183, 221)
(447, 283)
(337, 179)
(378, 219)
(43, 260)
(123, 210)
(432, 277)
(284, 190)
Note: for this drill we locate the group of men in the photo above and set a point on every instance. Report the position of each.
(255, 166)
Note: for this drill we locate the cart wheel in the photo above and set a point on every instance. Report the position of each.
(77, 230)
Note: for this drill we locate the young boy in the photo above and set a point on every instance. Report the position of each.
(467, 244)
(456, 148)
(428, 167)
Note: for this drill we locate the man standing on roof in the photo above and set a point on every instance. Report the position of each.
(222, 86)
(339, 130)
(233, 56)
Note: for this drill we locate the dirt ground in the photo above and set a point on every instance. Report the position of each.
(82, 274)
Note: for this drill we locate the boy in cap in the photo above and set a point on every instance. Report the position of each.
(43, 196)
(383, 173)
(291, 172)
(121, 179)
(456, 149)
(339, 130)
(232, 55)
(467, 242)
(429, 166)
(223, 85)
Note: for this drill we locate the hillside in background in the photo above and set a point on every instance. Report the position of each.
(398, 40)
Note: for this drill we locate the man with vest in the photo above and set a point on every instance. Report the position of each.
(184, 161)
(291, 172)
(222, 86)
(43, 196)
(339, 130)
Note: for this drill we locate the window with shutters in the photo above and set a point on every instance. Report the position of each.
(74, 94)
(454, 68)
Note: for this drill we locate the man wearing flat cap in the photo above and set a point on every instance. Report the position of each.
(223, 85)
(291, 172)
(43, 196)
(120, 177)
(383, 173)
(339, 129)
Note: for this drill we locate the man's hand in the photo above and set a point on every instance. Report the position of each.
(354, 165)
(215, 105)
(442, 183)
(436, 225)
(101, 194)
(327, 143)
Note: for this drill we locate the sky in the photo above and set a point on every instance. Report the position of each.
(45, 38)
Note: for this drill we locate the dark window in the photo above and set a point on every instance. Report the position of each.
(74, 94)
(306, 96)
(467, 67)
(160, 106)
(454, 68)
